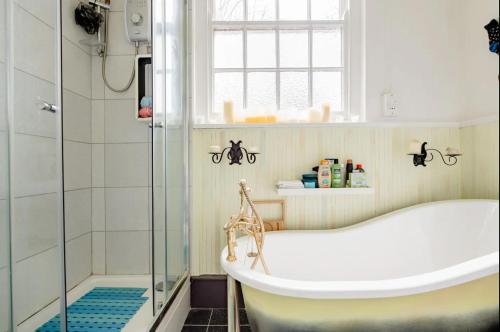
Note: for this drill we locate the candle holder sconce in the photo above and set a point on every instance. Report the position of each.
(426, 156)
(235, 153)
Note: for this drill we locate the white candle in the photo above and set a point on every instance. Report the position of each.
(327, 112)
(229, 111)
(315, 116)
(215, 149)
(415, 147)
(452, 151)
(253, 149)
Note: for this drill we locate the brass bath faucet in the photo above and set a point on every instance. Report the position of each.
(248, 222)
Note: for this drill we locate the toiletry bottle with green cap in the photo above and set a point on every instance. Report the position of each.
(337, 181)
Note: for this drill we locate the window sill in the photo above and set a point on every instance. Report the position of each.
(276, 125)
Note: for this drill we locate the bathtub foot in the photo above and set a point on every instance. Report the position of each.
(233, 317)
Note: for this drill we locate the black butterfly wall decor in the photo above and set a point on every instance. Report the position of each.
(493, 29)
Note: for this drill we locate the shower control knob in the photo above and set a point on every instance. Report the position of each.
(136, 18)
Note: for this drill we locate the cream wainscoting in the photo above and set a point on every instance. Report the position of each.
(287, 153)
(480, 145)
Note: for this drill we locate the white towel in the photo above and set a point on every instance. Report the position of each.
(294, 184)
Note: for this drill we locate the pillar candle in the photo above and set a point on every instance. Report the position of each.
(327, 112)
(229, 111)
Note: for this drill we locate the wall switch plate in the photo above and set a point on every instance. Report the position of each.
(390, 106)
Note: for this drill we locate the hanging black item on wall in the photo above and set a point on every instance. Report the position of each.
(88, 18)
(494, 34)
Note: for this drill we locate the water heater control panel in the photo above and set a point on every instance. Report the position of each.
(137, 20)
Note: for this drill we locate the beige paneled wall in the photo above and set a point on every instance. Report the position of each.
(480, 168)
(287, 153)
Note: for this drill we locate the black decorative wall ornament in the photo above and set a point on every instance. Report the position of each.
(235, 153)
(421, 159)
(493, 29)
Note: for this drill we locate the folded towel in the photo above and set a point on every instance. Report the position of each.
(294, 184)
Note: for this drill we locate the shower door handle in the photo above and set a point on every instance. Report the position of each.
(45, 106)
(157, 125)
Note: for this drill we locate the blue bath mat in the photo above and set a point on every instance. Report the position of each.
(101, 309)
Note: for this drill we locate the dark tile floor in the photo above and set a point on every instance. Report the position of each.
(212, 320)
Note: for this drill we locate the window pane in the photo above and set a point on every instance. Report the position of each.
(325, 9)
(327, 48)
(261, 10)
(228, 49)
(228, 10)
(262, 92)
(228, 86)
(261, 49)
(327, 88)
(293, 10)
(294, 49)
(294, 91)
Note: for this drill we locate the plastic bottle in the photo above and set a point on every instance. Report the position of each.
(349, 170)
(337, 180)
(324, 174)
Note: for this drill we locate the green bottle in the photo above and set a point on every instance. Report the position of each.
(337, 175)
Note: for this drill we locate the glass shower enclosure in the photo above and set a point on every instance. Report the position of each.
(92, 201)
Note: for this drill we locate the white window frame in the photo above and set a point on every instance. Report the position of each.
(202, 56)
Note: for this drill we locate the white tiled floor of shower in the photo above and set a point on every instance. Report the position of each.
(139, 323)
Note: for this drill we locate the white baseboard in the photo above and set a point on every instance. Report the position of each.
(176, 316)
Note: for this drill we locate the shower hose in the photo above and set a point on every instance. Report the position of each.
(104, 60)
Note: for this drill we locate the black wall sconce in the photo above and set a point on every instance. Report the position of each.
(422, 155)
(235, 153)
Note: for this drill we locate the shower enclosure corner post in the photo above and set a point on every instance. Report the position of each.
(233, 318)
(60, 163)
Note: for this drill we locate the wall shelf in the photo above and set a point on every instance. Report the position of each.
(325, 192)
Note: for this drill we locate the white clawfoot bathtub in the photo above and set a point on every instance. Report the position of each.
(432, 267)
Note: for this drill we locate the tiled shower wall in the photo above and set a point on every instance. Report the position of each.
(34, 223)
(120, 167)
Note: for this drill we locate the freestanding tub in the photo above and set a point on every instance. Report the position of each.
(432, 267)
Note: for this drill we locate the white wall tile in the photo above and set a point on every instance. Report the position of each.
(98, 210)
(4, 164)
(121, 124)
(35, 226)
(99, 253)
(97, 82)
(77, 117)
(98, 165)
(35, 164)
(36, 282)
(77, 165)
(127, 165)
(29, 118)
(98, 121)
(28, 45)
(44, 10)
(118, 44)
(118, 70)
(127, 209)
(4, 234)
(78, 209)
(118, 5)
(127, 253)
(77, 69)
(4, 299)
(79, 260)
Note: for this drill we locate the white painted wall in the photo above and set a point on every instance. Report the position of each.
(481, 68)
(434, 56)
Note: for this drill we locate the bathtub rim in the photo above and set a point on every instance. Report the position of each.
(455, 275)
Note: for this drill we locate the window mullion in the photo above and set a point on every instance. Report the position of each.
(310, 33)
(278, 61)
(245, 56)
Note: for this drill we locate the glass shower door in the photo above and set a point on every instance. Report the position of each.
(5, 297)
(35, 172)
(169, 151)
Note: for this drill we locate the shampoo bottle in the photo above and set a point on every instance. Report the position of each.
(324, 174)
